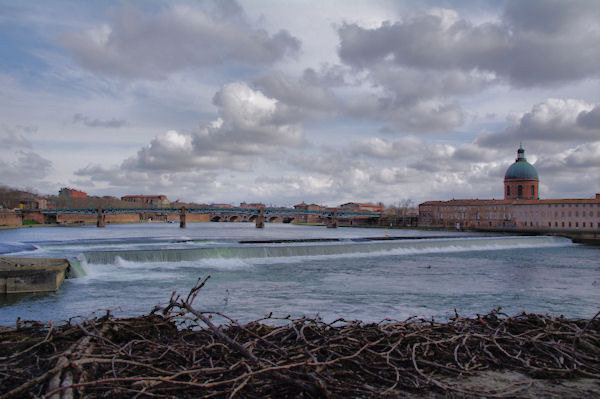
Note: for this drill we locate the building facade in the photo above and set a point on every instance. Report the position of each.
(147, 200)
(66, 192)
(304, 218)
(521, 208)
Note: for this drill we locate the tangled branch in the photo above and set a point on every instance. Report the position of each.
(180, 351)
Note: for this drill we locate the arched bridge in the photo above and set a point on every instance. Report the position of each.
(256, 215)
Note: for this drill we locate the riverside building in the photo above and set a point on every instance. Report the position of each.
(521, 209)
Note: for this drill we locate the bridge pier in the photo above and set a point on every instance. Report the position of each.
(260, 220)
(182, 223)
(101, 221)
(333, 222)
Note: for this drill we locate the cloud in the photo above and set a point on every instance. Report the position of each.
(141, 44)
(536, 43)
(306, 93)
(589, 119)
(28, 168)
(552, 122)
(14, 136)
(250, 127)
(87, 121)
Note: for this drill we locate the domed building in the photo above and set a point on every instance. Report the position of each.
(520, 210)
(521, 179)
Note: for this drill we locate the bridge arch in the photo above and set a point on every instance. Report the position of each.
(216, 218)
(288, 219)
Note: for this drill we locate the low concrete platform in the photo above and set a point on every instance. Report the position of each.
(22, 275)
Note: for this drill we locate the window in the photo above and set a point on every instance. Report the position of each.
(555, 224)
(584, 224)
(532, 191)
(563, 224)
(519, 191)
(549, 224)
(508, 191)
(576, 224)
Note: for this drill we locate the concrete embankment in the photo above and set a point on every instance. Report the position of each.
(22, 275)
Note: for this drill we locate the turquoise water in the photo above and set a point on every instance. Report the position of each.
(350, 273)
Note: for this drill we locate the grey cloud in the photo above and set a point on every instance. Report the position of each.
(410, 85)
(378, 148)
(424, 116)
(590, 119)
(410, 101)
(87, 121)
(552, 122)
(327, 76)
(584, 157)
(305, 93)
(17, 140)
(15, 136)
(29, 166)
(148, 180)
(524, 49)
(549, 16)
(329, 162)
(144, 45)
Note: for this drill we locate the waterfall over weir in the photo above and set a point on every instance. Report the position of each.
(349, 248)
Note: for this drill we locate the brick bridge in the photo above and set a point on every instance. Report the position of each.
(256, 215)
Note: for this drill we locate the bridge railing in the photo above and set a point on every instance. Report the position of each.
(341, 213)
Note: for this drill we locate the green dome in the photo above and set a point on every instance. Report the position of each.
(521, 169)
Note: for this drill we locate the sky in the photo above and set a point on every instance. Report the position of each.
(281, 102)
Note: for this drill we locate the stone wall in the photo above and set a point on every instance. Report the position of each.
(74, 218)
(121, 218)
(9, 218)
(20, 275)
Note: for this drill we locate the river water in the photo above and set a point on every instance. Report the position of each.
(354, 273)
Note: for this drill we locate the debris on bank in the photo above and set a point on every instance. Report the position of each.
(180, 351)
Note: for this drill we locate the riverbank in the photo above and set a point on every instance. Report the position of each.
(181, 351)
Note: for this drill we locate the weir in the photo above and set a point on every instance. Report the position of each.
(275, 251)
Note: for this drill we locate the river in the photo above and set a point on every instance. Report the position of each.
(354, 273)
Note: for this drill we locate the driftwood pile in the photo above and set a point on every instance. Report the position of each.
(181, 352)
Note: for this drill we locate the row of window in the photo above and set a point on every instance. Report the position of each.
(562, 214)
(520, 191)
(576, 205)
(567, 224)
(570, 224)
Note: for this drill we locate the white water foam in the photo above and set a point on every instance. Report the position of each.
(134, 269)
